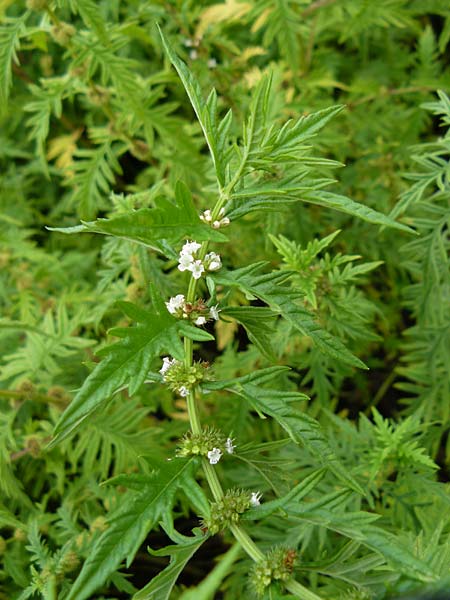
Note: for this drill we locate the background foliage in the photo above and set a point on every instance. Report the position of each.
(96, 124)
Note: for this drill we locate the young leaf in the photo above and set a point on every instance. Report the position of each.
(205, 112)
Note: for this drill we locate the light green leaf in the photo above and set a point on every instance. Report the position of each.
(11, 31)
(208, 587)
(92, 16)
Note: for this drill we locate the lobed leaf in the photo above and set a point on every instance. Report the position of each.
(126, 363)
(150, 226)
(129, 525)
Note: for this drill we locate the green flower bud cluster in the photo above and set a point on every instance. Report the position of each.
(199, 444)
(36, 5)
(68, 563)
(277, 565)
(182, 379)
(62, 33)
(227, 511)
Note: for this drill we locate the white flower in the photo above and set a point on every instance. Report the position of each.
(213, 261)
(175, 303)
(229, 446)
(200, 320)
(185, 262)
(206, 216)
(212, 63)
(225, 221)
(167, 363)
(190, 248)
(183, 391)
(196, 269)
(214, 456)
(255, 498)
(214, 312)
(216, 225)
(193, 54)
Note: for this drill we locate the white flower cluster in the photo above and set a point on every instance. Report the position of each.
(178, 307)
(215, 454)
(188, 260)
(206, 217)
(168, 363)
(255, 499)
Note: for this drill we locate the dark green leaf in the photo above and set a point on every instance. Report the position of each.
(302, 428)
(127, 362)
(281, 298)
(148, 226)
(160, 587)
(258, 322)
(130, 523)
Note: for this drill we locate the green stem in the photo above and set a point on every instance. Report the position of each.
(210, 473)
(213, 480)
(247, 543)
(300, 591)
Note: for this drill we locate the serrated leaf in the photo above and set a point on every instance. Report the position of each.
(205, 112)
(302, 428)
(258, 322)
(92, 16)
(126, 363)
(10, 33)
(160, 587)
(93, 175)
(148, 226)
(273, 196)
(297, 493)
(256, 377)
(359, 526)
(270, 288)
(129, 525)
(344, 204)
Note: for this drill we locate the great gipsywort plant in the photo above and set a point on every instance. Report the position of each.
(264, 169)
